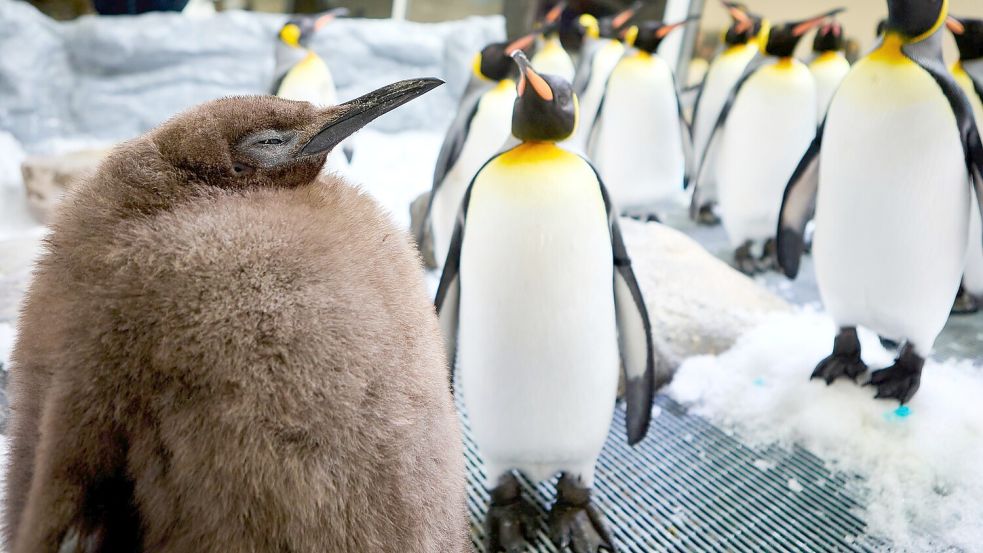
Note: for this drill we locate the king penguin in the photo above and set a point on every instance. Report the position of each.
(303, 76)
(829, 65)
(600, 53)
(740, 47)
(968, 72)
(540, 305)
(478, 132)
(763, 129)
(251, 364)
(641, 142)
(888, 176)
(551, 58)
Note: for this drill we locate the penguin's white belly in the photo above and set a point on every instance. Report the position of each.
(604, 62)
(639, 149)
(770, 126)
(538, 352)
(552, 59)
(723, 74)
(489, 130)
(893, 204)
(973, 278)
(829, 71)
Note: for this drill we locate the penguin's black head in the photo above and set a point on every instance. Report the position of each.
(299, 30)
(651, 34)
(829, 38)
(969, 37)
(264, 141)
(494, 63)
(781, 40)
(546, 107)
(744, 24)
(916, 20)
(608, 27)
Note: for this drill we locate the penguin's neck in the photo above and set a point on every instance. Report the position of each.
(890, 50)
(534, 151)
(828, 56)
(786, 62)
(504, 85)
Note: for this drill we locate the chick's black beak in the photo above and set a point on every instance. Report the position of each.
(530, 77)
(361, 111)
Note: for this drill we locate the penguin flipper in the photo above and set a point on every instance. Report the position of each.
(687, 141)
(634, 333)
(798, 207)
(451, 149)
(928, 55)
(448, 297)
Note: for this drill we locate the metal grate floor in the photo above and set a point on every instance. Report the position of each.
(690, 487)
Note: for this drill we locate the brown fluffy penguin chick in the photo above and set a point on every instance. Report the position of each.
(223, 351)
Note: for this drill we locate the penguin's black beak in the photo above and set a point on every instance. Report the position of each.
(361, 111)
(624, 16)
(666, 29)
(804, 27)
(531, 78)
(737, 13)
(956, 26)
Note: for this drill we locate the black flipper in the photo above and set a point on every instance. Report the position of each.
(687, 138)
(451, 148)
(448, 298)
(928, 55)
(798, 207)
(634, 332)
(713, 141)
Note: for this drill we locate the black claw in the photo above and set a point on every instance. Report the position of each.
(510, 518)
(965, 303)
(707, 217)
(574, 523)
(901, 380)
(845, 360)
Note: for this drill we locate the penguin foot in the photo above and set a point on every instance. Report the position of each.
(965, 303)
(643, 216)
(769, 257)
(574, 523)
(510, 519)
(844, 361)
(744, 261)
(901, 380)
(705, 216)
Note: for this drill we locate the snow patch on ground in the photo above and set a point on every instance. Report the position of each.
(922, 471)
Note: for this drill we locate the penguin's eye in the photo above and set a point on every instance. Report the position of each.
(270, 142)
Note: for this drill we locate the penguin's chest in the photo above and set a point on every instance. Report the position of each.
(537, 344)
(552, 59)
(721, 78)
(892, 208)
(490, 127)
(771, 125)
(309, 81)
(639, 149)
(829, 70)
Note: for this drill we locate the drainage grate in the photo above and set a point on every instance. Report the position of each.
(690, 487)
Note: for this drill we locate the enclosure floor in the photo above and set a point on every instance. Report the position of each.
(690, 487)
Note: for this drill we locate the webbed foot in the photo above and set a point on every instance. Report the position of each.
(901, 380)
(965, 303)
(844, 361)
(744, 261)
(509, 521)
(574, 523)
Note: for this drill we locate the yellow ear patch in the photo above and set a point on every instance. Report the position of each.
(290, 35)
(763, 36)
(589, 23)
(631, 34)
(476, 67)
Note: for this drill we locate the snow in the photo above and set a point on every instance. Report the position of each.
(922, 479)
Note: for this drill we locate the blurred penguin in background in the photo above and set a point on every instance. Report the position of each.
(889, 178)
(303, 76)
(251, 362)
(740, 47)
(600, 53)
(551, 58)
(480, 129)
(765, 126)
(541, 310)
(641, 144)
(829, 65)
(968, 72)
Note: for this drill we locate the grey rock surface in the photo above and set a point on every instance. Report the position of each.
(106, 79)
